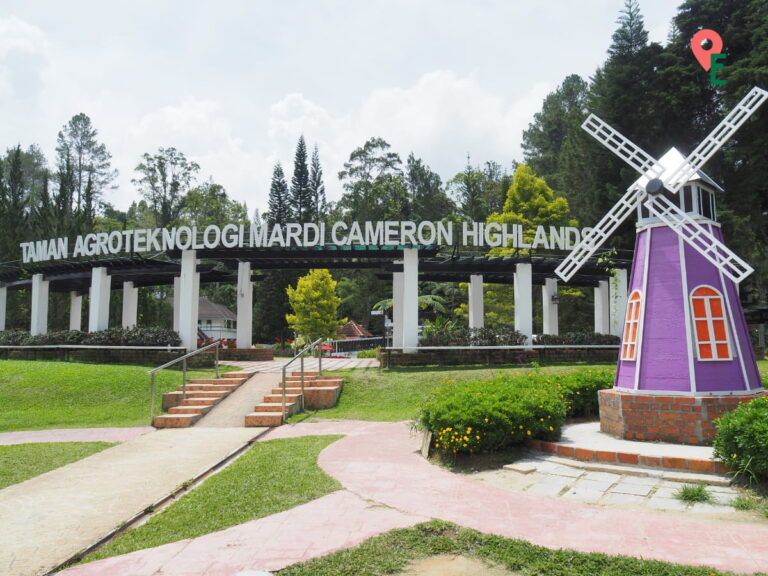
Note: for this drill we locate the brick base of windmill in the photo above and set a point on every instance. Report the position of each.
(676, 419)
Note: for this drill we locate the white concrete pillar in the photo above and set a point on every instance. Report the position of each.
(189, 294)
(397, 309)
(618, 296)
(39, 324)
(75, 310)
(176, 294)
(476, 302)
(130, 305)
(3, 305)
(244, 305)
(524, 300)
(98, 305)
(602, 308)
(410, 300)
(550, 301)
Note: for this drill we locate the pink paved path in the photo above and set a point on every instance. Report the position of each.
(73, 435)
(380, 463)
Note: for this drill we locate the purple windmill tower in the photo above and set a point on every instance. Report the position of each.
(686, 356)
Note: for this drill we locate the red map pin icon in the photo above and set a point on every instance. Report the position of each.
(703, 55)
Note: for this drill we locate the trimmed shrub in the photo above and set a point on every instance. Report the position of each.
(448, 333)
(369, 353)
(577, 339)
(136, 336)
(741, 441)
(495, 414)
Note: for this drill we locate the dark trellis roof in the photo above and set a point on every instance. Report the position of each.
(218, 265)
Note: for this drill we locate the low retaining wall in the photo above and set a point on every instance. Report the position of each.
(247, 354)
(678, 419)
(139, 356)
(460, 356)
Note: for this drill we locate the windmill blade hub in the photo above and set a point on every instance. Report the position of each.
(654, 187)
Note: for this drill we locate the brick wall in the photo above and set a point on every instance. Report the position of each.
(679, 419)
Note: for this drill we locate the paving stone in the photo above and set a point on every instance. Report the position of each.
(583, 494)
(566, 471)
(666, 491)
(548, 487)
(602, 477)
(665, 503)
(640, 480)
(618, 498)
(600, 485)
(703, 508)
(522, 466)
(636, 489)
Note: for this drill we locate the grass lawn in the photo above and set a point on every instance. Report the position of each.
(270, 477)
(390, 554)
(20, 462)
(39, 395)
(395, 394)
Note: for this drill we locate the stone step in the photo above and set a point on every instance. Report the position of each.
(268, 419)
(314, 397)
(211, 387)
(200, 401)
(191, 409)
(238, 375)
(176, 420)
(273, 406)
(312, 383)
(207, 393)
(306, 373)
(278, 398)
(234, 381)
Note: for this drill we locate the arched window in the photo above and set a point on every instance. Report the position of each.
(631, 327)
(710, 328)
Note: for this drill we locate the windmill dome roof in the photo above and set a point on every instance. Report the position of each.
(671, 161)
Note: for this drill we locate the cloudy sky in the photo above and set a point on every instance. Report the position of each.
(233, 83)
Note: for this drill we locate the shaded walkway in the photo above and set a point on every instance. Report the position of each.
(380, 463)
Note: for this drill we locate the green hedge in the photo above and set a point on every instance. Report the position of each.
(742, 439)
(136, 336)
(491, 415)
(577, 339)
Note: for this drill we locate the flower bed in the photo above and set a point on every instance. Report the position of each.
(491, 415)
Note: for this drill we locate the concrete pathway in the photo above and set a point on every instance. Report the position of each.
(47, 519)
(380, 464)
(310, 364)
(73, 435)
(230, 412)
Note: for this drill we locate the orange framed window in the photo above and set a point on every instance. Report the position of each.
(631, 327)
(709, 324)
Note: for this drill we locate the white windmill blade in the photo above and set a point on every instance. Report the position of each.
(714, 141)
(599, 234)
(623, 147)
(699, 238)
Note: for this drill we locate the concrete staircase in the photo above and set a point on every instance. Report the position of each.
(319, 392)
(202, 395)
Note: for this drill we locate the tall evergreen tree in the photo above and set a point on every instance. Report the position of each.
(428, 200)
(317, 187)
(164, 179)
(91, 162)
(467, 188)
(279, 203)
(301, 194)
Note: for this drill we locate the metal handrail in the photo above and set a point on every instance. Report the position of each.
(183, 360)
(300, 355)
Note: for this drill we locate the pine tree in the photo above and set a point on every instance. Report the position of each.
(317, 188)
(301, 195)
(279, 204)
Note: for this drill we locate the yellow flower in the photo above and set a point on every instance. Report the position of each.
(485, 419)
(551, 429)
(528, 432)
(521, 426)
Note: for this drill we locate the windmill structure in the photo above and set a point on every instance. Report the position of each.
(685, 356)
